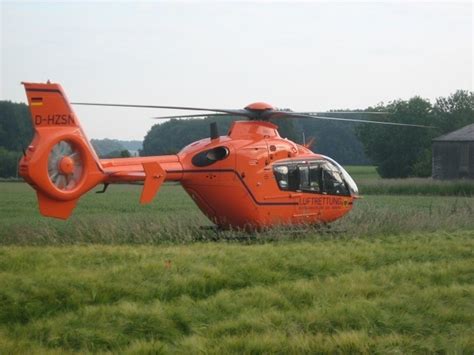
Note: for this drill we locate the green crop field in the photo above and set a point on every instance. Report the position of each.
(395, 276)
(370, 183)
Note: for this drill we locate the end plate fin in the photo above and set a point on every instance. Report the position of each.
(154, 177)
(55, 208)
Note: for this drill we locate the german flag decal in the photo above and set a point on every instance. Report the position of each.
(36, 101)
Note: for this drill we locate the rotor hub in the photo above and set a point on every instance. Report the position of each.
(66, 165)
(259, 106)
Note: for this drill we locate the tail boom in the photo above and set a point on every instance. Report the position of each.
(132, 169)
(153, 171)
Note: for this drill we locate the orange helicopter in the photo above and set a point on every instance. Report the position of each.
(250, 178)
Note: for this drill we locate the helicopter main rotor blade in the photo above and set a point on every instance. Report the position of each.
(202, 115)
(304, 115)
(230, 111)
(257, 115)
(348, 113)
(280, 113)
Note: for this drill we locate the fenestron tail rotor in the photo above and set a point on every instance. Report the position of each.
(61, 164)
(65, 165)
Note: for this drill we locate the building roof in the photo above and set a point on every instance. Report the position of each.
(461, 135)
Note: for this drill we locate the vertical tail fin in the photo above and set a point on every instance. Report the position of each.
(60, 163)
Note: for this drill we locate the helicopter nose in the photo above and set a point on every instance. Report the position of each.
(259, 106)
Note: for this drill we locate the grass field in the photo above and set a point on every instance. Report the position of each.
(395, 276)
(360, 172)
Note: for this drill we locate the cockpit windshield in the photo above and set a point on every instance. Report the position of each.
(345, 175)
(323, 176)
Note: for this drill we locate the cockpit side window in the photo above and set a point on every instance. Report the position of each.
(304, 177)
(317, 176)
(293, 178)
(281, 176)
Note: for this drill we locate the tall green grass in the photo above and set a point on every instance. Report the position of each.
(416, 186)
(392, 294)
(118, 218)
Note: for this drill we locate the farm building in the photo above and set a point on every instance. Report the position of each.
(453, 155)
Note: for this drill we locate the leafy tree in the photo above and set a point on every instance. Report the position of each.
(400, 151)
(16, 133)
(454, 111)
(16, 129)
(125, 154)
(8, 163)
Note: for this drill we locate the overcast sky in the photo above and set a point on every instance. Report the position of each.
(306, 56)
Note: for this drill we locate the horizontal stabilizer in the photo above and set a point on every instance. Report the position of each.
(154, 177)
